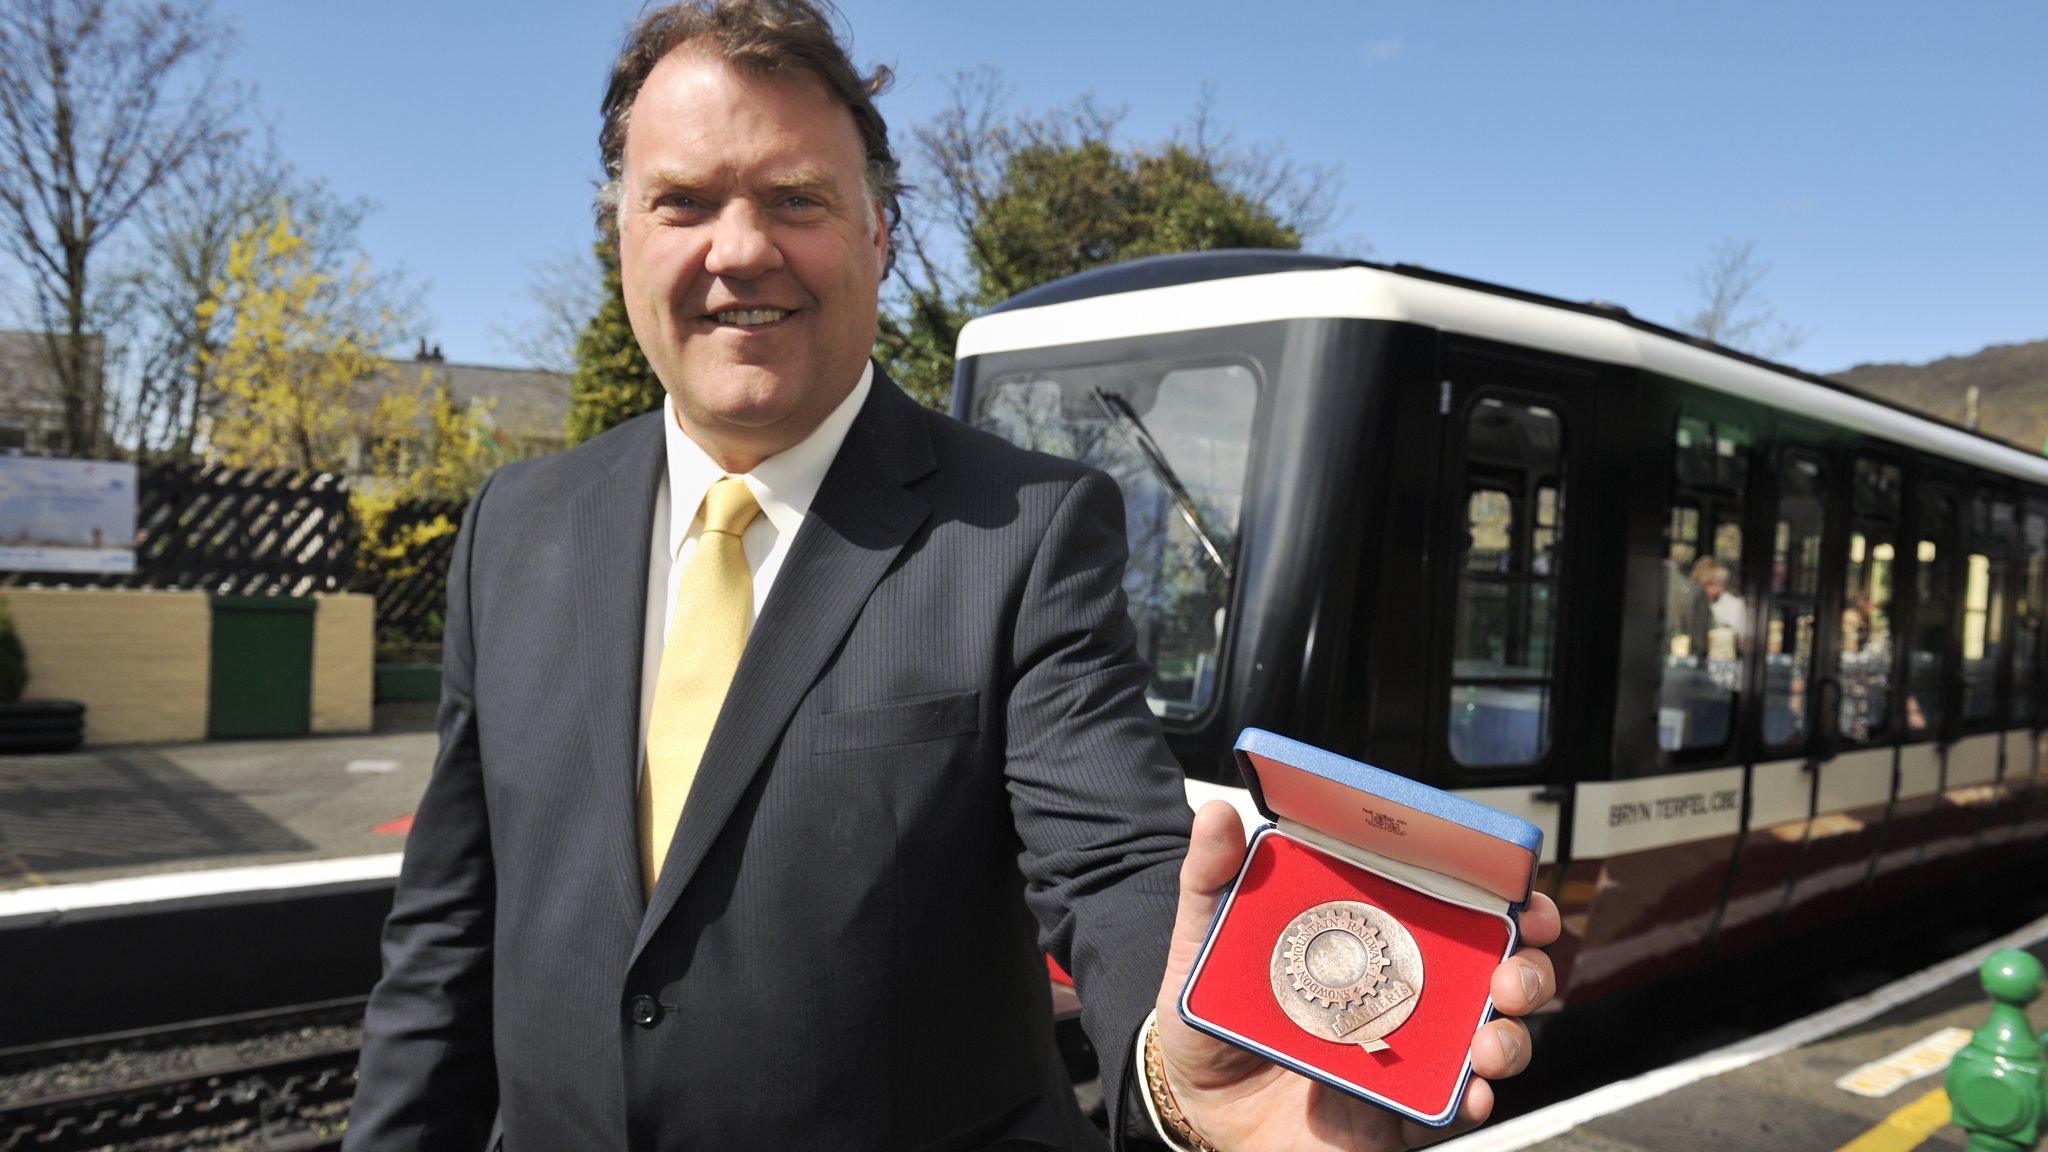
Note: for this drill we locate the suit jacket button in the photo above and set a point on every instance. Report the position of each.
(644, 1011)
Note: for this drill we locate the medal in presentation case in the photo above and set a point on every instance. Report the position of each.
(1358, 942)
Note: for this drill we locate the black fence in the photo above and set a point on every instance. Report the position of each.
(412, 592)
(273, 532)
(240, 531)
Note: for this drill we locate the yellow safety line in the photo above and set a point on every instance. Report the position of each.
(1907, 1128)
(31, 875)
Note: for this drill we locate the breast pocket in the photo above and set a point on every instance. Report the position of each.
(895, 723)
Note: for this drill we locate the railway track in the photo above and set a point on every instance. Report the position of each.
(281, 1080)
(258, 1082)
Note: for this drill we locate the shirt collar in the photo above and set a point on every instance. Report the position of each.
(784, 484)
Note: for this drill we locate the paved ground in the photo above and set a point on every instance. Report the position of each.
(128, 810)
(131, 810)
(1790, 1101)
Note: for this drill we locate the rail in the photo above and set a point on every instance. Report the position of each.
(278, 1081)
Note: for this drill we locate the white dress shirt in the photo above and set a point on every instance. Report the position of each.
(784, 485)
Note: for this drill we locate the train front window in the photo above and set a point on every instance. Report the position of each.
(1177, 440)
(1505, 634)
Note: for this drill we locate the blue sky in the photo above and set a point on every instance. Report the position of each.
(1887, 158)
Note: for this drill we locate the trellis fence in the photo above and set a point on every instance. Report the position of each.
(271, 532)
(411, 593)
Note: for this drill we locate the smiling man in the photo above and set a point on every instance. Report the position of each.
(785, 727)
(751, 251)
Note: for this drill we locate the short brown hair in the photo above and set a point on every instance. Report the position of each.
(764, 37)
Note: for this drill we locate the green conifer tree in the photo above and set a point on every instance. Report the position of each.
(613, 382)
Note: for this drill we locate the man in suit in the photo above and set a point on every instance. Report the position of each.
(784, 727)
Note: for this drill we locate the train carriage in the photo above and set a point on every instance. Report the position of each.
(1757, 652)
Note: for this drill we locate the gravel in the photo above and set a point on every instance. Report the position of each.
(122, 1063)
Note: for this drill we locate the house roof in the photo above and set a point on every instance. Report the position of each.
(26, 378)
(529, 403)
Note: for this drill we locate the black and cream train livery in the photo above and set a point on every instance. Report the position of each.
(1754, 650)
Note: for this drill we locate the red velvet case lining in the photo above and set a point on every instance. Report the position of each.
(1422, 1068)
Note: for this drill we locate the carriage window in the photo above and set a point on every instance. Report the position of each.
(1543, 549)
(1694, 452)
(1506, 624)
(1864, 667)
(1878, 486)
(1177, 440)
(1931, 582)
(2028, 614)
(1683, 533)
(1705, 618)
(1984, 572)
(1794, 602)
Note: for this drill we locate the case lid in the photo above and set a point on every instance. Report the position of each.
(1391, 815)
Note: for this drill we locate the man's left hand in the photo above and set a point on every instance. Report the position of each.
(1242, 1103)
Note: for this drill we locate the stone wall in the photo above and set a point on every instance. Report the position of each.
(141, 659)
(344, 662)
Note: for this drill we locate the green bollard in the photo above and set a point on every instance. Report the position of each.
(1998, 1085)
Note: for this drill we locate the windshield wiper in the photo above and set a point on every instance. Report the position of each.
(1121, 414)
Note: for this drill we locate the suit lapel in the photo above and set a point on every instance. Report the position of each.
(860, 520)
(612, 517)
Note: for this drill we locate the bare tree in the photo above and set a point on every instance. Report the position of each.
(566, 289)
(101, 102)
(1300, 194)
(1006, 200)
(170, 273)
(1733, 309)
(171, 316)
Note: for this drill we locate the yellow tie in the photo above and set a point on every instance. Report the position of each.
(707, 631)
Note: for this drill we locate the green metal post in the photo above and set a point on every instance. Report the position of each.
(1998, 1085)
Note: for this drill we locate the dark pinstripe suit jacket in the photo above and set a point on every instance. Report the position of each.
(935, 762)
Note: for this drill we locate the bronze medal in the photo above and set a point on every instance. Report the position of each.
(1348, 973)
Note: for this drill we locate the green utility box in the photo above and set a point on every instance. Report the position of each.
(262, 682)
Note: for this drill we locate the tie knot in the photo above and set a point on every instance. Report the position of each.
(729, 506)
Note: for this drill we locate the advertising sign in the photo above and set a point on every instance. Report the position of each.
(66, 515)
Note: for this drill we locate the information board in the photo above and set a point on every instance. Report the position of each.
(66, 515)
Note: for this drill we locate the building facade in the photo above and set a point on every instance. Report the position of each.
(31, 399)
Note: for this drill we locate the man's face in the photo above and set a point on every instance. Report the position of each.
(749, 252)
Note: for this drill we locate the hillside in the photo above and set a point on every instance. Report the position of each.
(2012, 383)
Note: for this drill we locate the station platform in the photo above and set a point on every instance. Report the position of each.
(86, 835)
(146, 885)
(1862, 1076)
(126, 818)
